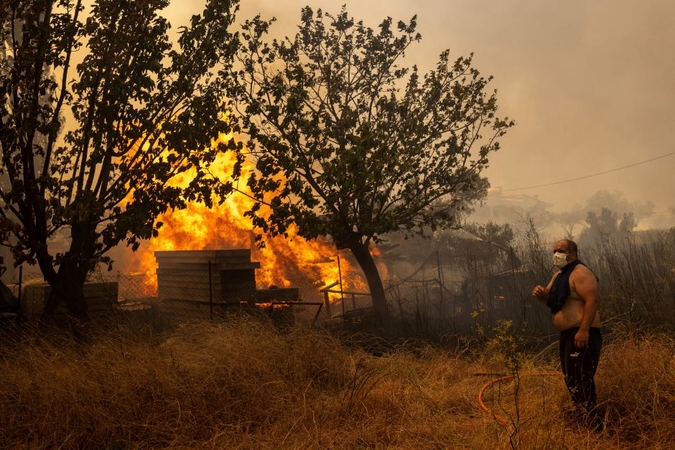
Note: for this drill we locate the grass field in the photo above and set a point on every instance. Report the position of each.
(243, 385)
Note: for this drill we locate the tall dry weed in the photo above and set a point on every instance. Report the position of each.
(242, 384)
(637, 381)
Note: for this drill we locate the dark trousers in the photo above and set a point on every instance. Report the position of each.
(579, 366)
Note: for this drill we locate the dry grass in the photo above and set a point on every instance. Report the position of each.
(243, 385)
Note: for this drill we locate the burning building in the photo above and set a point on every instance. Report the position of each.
(193, 283)
(220, 237)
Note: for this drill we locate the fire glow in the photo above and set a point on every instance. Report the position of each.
(284, 261)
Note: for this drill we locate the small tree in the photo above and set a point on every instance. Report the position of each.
(606, 228)
(91, 147)
(351, 145)
(494, 233)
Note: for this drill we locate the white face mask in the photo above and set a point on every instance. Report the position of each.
(559, 259)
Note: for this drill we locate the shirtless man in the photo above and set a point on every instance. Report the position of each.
(572, 295)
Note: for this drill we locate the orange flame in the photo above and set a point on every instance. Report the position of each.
(284, 261)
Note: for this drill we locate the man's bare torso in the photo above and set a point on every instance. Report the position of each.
(572, 310)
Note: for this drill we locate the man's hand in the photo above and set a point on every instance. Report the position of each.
(581, 339)
(540, 293)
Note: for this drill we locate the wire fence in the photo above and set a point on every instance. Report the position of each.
(460, 294)
(446, 292)
(442, 295)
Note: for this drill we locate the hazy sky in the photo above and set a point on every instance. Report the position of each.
(590, 84)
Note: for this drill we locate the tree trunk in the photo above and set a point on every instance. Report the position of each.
(67, 287)
(67, 284)
(365, 259)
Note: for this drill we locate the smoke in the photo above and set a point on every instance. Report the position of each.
(588, 83)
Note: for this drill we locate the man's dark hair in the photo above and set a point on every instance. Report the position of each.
(571, 246)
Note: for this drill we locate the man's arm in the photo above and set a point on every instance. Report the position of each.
(586, 286)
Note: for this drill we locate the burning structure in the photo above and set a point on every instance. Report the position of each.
(176, 278)
(193, 283)
(202, 275)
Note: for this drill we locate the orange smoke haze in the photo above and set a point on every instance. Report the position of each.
(284, 261)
